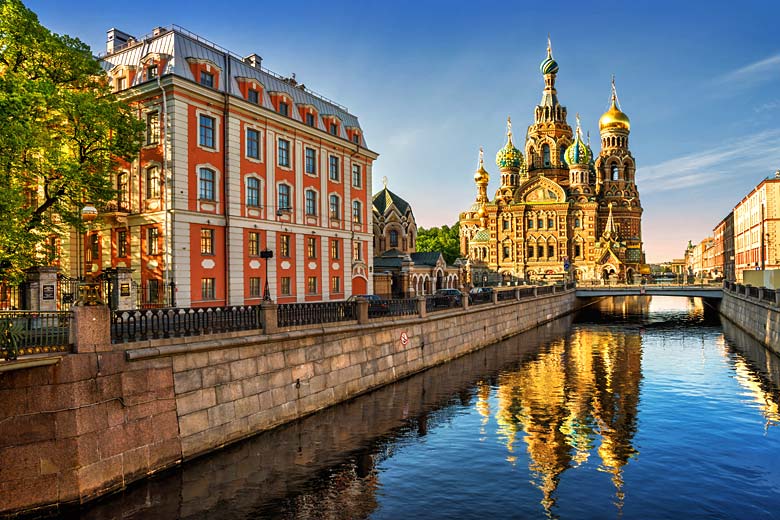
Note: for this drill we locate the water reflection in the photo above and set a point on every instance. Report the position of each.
(578, 393)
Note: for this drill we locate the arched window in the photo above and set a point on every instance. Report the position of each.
(335, 207)
(153, 183)
(393, 238)
(563, 154)
(577, 222)
(206, 185)
(253, 192)
(614, 172)
(356, 211)
(546, 155)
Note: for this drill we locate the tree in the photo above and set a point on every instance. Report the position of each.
(442, 239)
(62, 135)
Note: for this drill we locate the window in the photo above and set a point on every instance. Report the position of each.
(546, 155)
(393, 238)
(356, 211)
(357, 251)
(614, 172)
(334, 129)
(311, 247)
(252, 143)
(311, 285)
(153, 183)
(153, 127)
(540, 223)
(577, 250)
(255, 290)
(153, 291)
(254, 243)
(334, 207)
(530, 251)
(311, 161)
(284, 288)
(335, 249)
(253, 96)
(356, 138)
(506, 252)
(120, 83)
(550, 223)
(284, 108)
(284, 246)
(310, 119)
(356, 176)
(283, 200)
(206, 184)
(505, 224)
(207, 291)
(93, 251)
(550, 251)
(530, 223)
(207, 241)
(151, 71)
(207, 79)
(563, 154)
(335, 284)
(253, 192)
(122, 190)
(284, 153)
(577, 222)
(311, 203)
(152, 241)
(121, 244)
(334, 168)
(206, 132)
(539, 251)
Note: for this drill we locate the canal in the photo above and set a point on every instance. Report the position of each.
(634, 408)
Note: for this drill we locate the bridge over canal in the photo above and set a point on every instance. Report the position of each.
(692, 291)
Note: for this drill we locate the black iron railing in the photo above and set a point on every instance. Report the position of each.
(145, 324)
(505, 295)
(440, 302)
(752, 291)
(33, 332)
(768, 295)
(392, 307)
(525, 292)
(481, 297)
(545, 289)
(314, 313)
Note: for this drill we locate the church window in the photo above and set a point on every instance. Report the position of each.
(577, 222)
(540, 223)
(540, 251)
(393, 238)
(506, 225)
(550, 223)
(614, 172)
(546, 155)
(530, 251)
(506, 252)
(563, 153)
(530, 223)
(577, 250)
(550, 251)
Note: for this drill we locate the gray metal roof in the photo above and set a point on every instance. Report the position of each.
(180, 44)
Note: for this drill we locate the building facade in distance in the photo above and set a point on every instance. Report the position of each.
(559, 209)
(237, 162)
(756, 227)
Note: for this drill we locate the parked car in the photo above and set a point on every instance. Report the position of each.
(480, 294)
(374, 302)
(453, 296)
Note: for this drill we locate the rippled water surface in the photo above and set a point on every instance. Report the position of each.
(637, 408)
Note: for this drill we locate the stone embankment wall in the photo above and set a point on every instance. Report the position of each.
(755, 315)
(112, 414)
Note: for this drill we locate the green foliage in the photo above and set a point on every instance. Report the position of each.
(444, 239)
(62, 134)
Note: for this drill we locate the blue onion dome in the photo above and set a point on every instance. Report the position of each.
(578, 152)
(509, 157)
(549, 65)
(481, 176)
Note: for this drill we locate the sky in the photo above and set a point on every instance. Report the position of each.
(432, 81)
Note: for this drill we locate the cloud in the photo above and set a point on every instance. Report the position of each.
(756, 153)
(750, 74)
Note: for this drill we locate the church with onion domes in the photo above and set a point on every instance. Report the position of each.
(560, 212)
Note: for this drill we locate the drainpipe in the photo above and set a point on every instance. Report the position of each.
(169, 192)
(225, 171)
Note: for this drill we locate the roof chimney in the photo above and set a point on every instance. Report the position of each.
(254, 60)
(157, 31)
(116, 39)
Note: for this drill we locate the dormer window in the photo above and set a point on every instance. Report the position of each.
(120, 83)
(309, 119)
(253, 96)
(356, 138)
(207, 79)
(334, 129)
(151, 72)
(284, 108)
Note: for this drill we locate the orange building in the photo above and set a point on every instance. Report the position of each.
(237, 161)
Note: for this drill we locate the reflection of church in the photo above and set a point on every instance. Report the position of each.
(577, 397)
(560, 207)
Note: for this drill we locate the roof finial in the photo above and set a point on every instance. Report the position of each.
(549, 46)
(588, 138)
(615, 100)
(509, 128)
(579, 131)
(384, 181)
(481, 157)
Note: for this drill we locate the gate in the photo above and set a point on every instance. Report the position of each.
(67, 291)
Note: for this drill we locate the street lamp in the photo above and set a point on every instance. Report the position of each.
(266, 254)
(89, 291)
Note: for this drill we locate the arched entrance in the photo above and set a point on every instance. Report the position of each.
(439, 280)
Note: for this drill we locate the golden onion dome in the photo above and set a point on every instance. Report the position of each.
(614, 118)
(481, 212)
(481, 176)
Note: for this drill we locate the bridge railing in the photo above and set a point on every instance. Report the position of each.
(763, 294)
(34, 332)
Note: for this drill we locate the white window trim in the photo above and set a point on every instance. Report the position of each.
(217, 183)
(261, 187)
(316, 202)
(290, 157)
(340, 169)
(317, 166)
(352, 175)
(260, 137)
(291, 202)
(340, 217)
(217, 125)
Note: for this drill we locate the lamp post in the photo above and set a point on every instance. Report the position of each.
(266, 254)
(89, 293)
